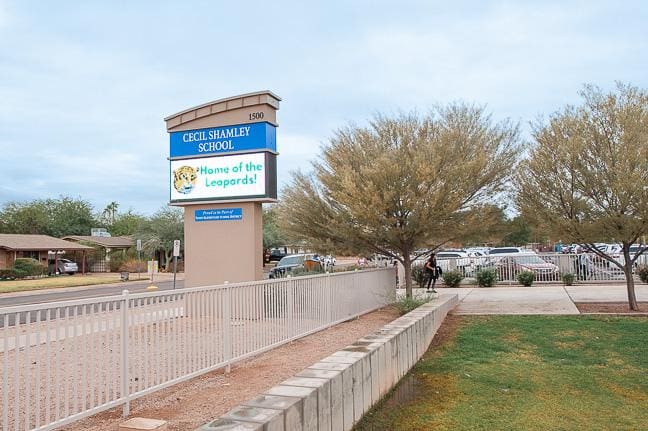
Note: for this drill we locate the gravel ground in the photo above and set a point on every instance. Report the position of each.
(190, 404)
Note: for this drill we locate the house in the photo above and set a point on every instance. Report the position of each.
(99, 259)
(40, 247)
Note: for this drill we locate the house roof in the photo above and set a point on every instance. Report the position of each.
(104, 241)
(12, 241)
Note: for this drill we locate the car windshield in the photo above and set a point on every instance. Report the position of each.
(291, 260)
(529, 260)
(447, 255)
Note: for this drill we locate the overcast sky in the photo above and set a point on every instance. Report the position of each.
(84, 85)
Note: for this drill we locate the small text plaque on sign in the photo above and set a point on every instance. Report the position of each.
(219, 214)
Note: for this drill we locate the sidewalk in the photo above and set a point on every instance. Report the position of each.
(552, 299)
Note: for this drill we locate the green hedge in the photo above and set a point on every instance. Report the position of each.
(526, 278)
(7, 274)
(486, 277)
(568, 279)
(642, 272)
(452, 278)
(419, 275)
(28, 267)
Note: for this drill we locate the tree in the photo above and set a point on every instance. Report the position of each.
(272, 235)
(492, 232)
(55, 217)
(109, 213)
(69, 216)
(127, 223)
(518, 231)
(24, 218)
(586, 178)
(163, 228)
(403, 183)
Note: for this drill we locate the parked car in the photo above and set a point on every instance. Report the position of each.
(635, 248)
(495, 254)
(65, 266)
(328, 260)
(612, 250)
(276, 254)
(478, 251)
(288, 263)
(505, 250)
(509, 266)
(455, 260)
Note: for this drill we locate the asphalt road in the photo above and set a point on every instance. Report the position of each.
(64, 294)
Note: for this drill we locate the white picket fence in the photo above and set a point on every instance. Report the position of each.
(68, 360)
(584, 267)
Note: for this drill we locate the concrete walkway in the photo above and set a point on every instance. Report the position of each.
(552, 299)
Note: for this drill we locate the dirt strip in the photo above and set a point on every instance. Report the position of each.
(188, 405)
(610, 307)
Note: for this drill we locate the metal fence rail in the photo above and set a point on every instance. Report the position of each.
(68, 360)
(549, 269)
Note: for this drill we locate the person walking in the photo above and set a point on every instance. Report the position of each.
(431, 272)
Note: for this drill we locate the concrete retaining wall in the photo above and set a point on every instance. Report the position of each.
(333, 394)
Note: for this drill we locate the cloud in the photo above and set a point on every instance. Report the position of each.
(82, 101)
(4, 15)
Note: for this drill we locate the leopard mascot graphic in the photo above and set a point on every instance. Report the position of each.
(184, 179)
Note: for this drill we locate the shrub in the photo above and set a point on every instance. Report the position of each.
(568, 279)
(131, 265)
(116, 261)
(301, 272)
(526, 278)
(28, 267)
(486, 277)
(345, 268)
(419, 275)
(404, 304)
(7, 274)
(452, 278)
(642, 272)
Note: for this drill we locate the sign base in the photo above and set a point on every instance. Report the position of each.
(223, 242)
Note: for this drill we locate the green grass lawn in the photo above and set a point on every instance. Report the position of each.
(7, 286)
(527, 373)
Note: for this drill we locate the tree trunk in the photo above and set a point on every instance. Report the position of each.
(167, 259)
(627, 269)
(407, 265)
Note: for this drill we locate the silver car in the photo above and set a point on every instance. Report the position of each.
(64, 266)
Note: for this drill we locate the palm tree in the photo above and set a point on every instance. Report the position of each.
(111, 212)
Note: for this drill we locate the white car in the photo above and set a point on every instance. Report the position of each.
(495, 254)
(612, 250)
(450, 260)
(65, 266)
(478, 251)
(328, 260)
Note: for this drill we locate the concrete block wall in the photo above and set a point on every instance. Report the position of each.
(334, 393)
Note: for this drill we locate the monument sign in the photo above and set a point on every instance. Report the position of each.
(223, 166)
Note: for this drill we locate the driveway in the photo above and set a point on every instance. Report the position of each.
(536, 299)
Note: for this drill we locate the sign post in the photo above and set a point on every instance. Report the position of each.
(139, 258)
(176, 253)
